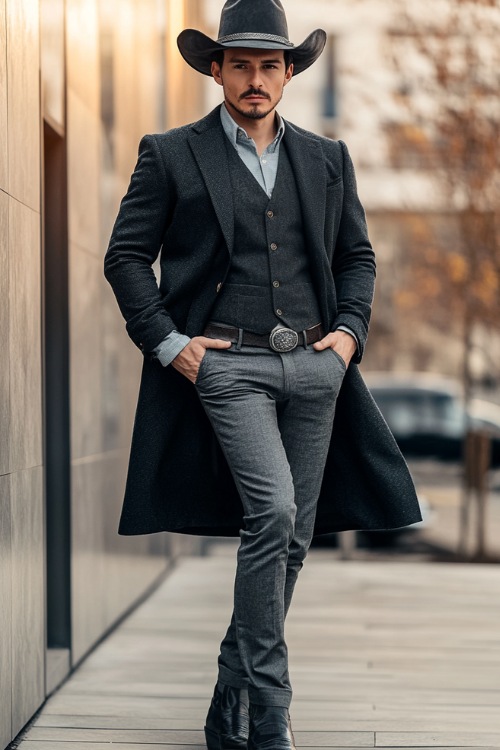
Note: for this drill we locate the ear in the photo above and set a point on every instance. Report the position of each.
(216, 72)
(289, 74)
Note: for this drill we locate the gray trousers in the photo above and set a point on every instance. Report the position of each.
(273, 416)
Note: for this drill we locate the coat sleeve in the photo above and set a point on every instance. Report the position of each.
(353, 264)
(134, 246)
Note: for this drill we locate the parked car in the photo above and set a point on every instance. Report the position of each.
(427, 416)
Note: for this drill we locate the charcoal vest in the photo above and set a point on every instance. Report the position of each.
(269, 281)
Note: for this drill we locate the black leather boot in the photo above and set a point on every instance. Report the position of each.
(270, 728)
(226, 726)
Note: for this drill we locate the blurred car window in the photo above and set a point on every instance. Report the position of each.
(427, 416)
(420, 411)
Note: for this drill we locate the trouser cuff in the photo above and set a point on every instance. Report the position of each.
(228, 677)
(270, 697)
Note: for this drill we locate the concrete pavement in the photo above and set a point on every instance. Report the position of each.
(382, 654)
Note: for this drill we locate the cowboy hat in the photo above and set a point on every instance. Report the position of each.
(255, 24)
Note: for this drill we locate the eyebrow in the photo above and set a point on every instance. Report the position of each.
(239, 60)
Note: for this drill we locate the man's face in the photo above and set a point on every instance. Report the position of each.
(253, 80)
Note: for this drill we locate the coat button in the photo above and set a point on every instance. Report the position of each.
(270, 214)
(279, 312)
(274, 246)
(276, 284)
(219, 287)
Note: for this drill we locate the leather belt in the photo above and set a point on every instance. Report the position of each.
(281, 339)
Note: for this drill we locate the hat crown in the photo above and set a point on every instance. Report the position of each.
(253, 16)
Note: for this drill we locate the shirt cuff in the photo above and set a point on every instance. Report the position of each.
(168, 349)
(349, 331)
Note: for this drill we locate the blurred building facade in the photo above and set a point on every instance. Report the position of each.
(80, 83)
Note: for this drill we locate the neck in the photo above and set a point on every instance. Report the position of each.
(263, 131)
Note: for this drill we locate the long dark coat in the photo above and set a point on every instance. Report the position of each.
(180, 200)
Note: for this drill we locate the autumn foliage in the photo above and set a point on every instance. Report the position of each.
(446, 57)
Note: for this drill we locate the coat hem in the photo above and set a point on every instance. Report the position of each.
(233, 531)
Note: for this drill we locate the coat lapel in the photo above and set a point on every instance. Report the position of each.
(308, 161)
(209, 150)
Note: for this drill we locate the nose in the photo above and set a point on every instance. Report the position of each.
(255, 79)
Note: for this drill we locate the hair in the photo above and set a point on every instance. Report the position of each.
(218, 57)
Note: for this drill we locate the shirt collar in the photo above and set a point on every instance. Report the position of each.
(237, 134)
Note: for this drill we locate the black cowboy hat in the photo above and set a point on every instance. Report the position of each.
(255, 24)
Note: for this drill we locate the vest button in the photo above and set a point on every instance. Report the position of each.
(219, 287)
(274, 246)
(270, 214)
(279, 312)
(276, 284)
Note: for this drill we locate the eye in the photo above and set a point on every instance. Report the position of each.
(239, 66)
(270, 66)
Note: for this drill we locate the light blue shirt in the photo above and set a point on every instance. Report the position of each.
(265, 169)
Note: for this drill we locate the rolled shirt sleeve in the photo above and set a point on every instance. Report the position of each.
(172, 345)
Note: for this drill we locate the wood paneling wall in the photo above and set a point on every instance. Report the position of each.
(61, 43)
(21, 484)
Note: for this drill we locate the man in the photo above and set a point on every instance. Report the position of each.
(251, 346)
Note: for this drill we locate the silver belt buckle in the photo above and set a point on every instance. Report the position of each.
(283, 339)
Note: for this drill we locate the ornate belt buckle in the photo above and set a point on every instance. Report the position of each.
(283, 339)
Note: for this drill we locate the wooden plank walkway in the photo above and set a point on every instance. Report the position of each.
(382, 654)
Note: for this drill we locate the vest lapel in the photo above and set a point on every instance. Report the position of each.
(207, 144)
(308, 162)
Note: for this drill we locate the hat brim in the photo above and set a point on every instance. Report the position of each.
(198, 49)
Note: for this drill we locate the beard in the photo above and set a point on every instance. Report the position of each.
(255, 112)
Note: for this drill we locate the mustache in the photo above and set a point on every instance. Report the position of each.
(255, 92)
